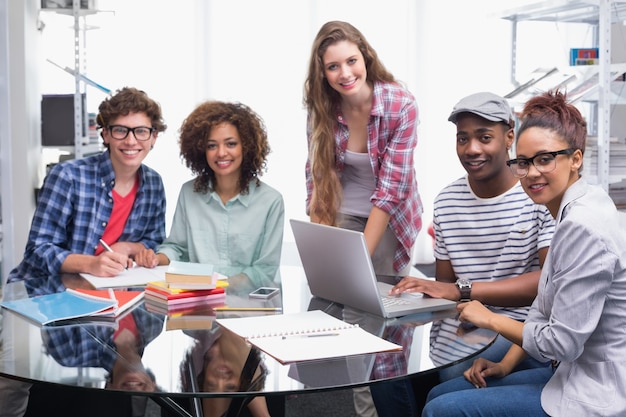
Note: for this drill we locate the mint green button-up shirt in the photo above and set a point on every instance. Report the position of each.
(244, 235)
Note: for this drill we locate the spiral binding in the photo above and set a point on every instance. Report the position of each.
(299, 332)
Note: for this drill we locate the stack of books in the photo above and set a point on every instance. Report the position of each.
(160, 292)
(186, 285)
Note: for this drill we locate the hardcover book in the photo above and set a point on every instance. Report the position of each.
(191, 273)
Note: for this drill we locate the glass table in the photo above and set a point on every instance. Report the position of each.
(187, 364)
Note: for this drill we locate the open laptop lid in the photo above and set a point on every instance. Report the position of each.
(338, 268)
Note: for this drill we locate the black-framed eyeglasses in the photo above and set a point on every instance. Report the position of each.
(544, 162)
(141, 133)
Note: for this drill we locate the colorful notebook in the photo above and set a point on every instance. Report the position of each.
(62, 306)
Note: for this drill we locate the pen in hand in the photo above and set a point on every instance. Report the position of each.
(107, 248)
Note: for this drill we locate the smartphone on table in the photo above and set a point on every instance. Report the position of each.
(264, 292)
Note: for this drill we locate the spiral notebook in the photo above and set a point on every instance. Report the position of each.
(306, 336)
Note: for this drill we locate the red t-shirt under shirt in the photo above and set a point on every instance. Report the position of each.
(119, 215)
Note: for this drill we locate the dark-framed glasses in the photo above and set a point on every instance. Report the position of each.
(544, 162)
(141, 133)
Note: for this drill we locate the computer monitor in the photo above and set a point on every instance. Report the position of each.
(57, 120)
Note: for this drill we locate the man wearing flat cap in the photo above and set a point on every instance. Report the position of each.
(490, 242)
(490, 238)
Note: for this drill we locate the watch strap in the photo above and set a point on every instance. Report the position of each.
(466, 293)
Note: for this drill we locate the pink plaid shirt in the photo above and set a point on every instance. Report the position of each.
(392, 139)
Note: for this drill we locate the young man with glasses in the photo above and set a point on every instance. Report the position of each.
(490, 238)
(94, 214)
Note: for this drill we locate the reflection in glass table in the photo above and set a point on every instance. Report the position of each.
(198, 369)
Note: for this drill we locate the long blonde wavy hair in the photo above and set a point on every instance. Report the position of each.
(321, 102)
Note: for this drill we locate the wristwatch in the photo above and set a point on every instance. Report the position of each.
(465, 287)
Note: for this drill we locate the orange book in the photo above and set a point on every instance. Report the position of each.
(125, 299)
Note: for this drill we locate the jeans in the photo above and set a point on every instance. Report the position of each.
(516, 395)
(494, 353)
(396, 398)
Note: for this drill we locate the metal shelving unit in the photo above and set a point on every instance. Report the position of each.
(600, 14)
(79, 11)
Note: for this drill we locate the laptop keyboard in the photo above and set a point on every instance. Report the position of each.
(394, 301)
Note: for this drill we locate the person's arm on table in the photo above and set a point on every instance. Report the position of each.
(107, 264)
(476, 313)
(110, 262)
(516, 291)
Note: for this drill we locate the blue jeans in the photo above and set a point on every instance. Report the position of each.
(516, 395)
(396, 398)
(494, 353)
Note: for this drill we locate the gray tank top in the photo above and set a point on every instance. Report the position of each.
(358, 183)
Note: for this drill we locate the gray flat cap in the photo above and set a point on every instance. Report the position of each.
(489, 106)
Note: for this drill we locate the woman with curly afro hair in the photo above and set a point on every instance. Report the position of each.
(226, 216)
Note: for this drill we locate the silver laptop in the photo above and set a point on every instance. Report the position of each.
(338, 268)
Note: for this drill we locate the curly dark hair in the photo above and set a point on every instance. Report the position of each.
(194, 134)
(130, 100)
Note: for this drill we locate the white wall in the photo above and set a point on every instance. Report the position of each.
(20, 131)
(249, 51)
(256, 52)
(5, 132)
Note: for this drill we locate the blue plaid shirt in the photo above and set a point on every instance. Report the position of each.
(74, 207)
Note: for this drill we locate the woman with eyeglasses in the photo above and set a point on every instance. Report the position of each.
(110, 197)
(578, 319)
